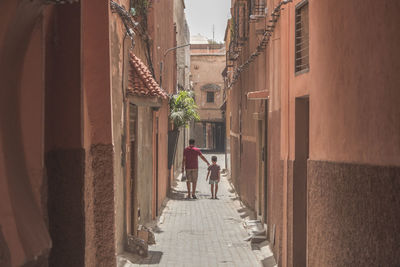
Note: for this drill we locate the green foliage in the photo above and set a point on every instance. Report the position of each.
(183, 109)
(140, 6)
(211, 41)
(232, 28)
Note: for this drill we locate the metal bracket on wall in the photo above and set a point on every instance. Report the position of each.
(273, 235)
(263, 154)
(59, 2)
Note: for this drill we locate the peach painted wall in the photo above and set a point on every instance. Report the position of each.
(32, 116)
(358, 94)
(22, 210)
(98, 133)
(120, 46)
(97, 87)
(349, 133)
(162, 31)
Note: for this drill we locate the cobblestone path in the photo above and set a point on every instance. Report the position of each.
(202, 232)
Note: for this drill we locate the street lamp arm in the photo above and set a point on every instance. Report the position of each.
(173, 48)
(165, 54)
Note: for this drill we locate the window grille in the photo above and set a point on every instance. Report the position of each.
(241, 17)
(302, 38)
(258, 8)
(210, 97)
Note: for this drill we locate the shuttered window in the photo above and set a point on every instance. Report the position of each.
(258, 8)
(210, 97)
(241, 25)
(302, 38)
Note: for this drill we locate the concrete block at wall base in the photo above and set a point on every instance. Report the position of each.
(66, 175)
(100, 182)
(5, 257)
(353, 214)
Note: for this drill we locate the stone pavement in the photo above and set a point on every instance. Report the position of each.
(202, 232)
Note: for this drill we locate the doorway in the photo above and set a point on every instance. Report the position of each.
(219, 137)
(300, 181)
(210, 136)
(265, 160)
(157, 163)
(131, 216)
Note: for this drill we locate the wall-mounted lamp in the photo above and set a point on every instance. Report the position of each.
(162, 62)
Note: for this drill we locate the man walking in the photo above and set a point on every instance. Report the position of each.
(190, 162)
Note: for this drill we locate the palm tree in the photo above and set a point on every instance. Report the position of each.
(183, 109)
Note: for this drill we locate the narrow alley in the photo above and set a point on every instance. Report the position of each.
(106, 104)
(200, 232)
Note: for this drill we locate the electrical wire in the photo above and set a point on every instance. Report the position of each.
(262, 44)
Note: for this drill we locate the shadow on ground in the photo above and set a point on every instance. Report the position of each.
(127, 259)
(246, 213)
(269, 262)
(156, 229)
(177, 194)
(181, 195)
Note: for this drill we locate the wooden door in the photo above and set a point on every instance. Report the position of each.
(131, 158)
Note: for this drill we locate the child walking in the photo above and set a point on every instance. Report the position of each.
(214, 174)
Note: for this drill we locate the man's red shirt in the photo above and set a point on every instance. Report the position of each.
(191, 154)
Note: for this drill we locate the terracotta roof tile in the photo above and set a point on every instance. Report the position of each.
(141, 82)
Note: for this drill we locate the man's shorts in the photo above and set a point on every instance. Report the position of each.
(191, 175)
(213, 181)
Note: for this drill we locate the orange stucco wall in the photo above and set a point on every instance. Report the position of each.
(161, 28)
(353, 131)
(151, 53)
(24, 233)
(362, 79)
(97, 121)
(58, 113)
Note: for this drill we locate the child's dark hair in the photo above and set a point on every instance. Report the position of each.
(214, 158)
(191, 141)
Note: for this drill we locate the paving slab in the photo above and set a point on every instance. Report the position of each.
(199, 232)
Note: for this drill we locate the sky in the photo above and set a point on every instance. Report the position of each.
(202, 14)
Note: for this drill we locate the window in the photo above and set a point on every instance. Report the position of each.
(240, 21)
(258, 8)
(210, 97)
(302, 38)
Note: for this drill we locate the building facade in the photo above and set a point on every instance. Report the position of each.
(207, 64)
(183, 74)
(312, 93)
(80, 100)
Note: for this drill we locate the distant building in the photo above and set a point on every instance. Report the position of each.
(207, 64)
(198, 39)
